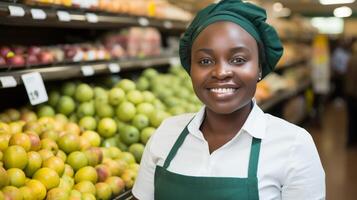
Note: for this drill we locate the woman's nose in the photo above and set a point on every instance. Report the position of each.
(222, 71)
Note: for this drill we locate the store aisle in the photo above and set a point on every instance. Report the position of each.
(340, 164)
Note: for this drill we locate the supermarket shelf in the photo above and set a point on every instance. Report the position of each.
(284, 95)
(80, 18)
(125, 196)
(292, 64)
(62, 72)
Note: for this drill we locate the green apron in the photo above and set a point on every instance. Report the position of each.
(172, 186)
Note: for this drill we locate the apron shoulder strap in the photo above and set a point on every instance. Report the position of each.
(254, 158)
(176, 146)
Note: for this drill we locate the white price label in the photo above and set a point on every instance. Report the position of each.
(35, 88)
(8, 81)
(63, 16)
(175, 61)
(143, 21)
(114, 67)
(38, 14)
(16, 11)
(87, 70)
(92, 18)
(168, 24)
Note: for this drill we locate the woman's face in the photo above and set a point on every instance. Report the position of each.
(224, 67)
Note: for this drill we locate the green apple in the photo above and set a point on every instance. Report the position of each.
(107, 127)
(34, 163)
(53, 98)
(145, 108)
(77, 160)
(66, 105)
(126, 111)
(15, 157)
(86, 109)
(16, 176)
(104, 110)
(135, 97)
(149, 97)
(69, 143)
(87, 173)
(68, 88)
(116, 96)
(130, 135)
(48, 177)
(84, 93)
(104, 191)
(146, 133)
(88, 123)
(126, 84)
(140, 121)
(137, 150)
(45, 111)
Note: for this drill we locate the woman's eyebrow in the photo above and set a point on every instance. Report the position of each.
(240, 49)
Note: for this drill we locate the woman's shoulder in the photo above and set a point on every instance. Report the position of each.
(280, 129)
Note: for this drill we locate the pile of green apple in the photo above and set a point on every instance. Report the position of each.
(124, 116)
(174, 89)
(52, 158)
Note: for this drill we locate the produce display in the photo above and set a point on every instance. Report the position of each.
(52, 158)
(86, 141)
(274, 83)
(132, 43)
(151, 8)
(294, 52)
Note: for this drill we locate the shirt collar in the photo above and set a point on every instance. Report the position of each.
(255, 125)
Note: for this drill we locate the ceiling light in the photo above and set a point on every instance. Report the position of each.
(343, 11)
(330, 2)
(277, 6)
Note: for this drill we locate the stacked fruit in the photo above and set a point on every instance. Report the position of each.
(53, 158)
(174, 89)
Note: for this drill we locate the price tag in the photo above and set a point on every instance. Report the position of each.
(168, 24)
(92, 18)
(87, 70)
(8, 81)
(114, 67)
(35, 88)
(63, 16)
(16, 11)
(143, 21)
(38, 14)
(175, 61)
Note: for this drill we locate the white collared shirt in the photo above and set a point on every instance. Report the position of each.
(289, 166)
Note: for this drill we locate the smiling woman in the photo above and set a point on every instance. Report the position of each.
(230, 149)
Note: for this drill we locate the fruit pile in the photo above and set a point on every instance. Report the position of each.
(174, 89)
(153, 8)
(52, 158)
(134, 42)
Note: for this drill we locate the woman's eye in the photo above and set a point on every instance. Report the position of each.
(205, 61)
(238, 61)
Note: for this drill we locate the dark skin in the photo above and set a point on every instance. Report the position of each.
(224, 55)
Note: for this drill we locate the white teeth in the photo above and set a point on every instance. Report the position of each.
(222, 90)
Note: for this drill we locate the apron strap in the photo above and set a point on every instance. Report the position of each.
(254, 158)
(176, 146)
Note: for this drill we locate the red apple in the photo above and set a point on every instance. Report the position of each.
(16, 60)
(19, 50)
(46, 57)
(4, 50)
(2, 61)
(32, 59)
(34, 50)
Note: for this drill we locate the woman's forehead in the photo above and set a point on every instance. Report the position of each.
(224, 34)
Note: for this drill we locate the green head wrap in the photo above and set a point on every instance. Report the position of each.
(249, 16)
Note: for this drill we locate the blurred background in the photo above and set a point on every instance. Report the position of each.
(80, 62)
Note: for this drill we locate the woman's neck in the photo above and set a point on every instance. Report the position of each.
(218, 129)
